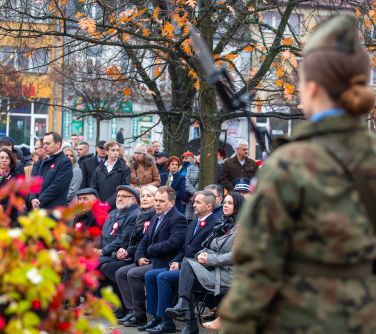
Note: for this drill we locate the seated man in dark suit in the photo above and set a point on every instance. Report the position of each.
(86, 197)
(156, 250)
(160, 283)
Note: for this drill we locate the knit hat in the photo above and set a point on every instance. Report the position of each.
(140, 148)
(188, 154)
(334, 58)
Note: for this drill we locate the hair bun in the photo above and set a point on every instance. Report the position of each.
(358, 99)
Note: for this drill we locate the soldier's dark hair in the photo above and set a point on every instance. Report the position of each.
(209, 197)
(171, 194)
(55, 136)
(218, 188)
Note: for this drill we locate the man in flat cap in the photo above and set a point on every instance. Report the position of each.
(305, 248)
(86, 197)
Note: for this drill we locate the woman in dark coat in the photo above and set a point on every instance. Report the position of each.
(8, 171)
(212, 268)
(175, 181)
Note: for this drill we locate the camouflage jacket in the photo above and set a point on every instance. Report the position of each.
(305, 208)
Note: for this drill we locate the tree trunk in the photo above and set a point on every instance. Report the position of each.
(210, 131)
(208, 107)
(176, 128)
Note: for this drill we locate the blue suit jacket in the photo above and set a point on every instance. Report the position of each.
(161, 245)
(178, 184)
(57, 172)
(193, 242)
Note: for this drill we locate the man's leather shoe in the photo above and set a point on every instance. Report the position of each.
(126, 318)
(135, 321)
(166, 326)
(152, 323)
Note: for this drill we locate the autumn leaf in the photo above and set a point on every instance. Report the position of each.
(87, 24)
(113, 71)
(279, 83)
(186, 45)
(280, 72)
(230, 56)
(28, 54)
(373, 61)
(168, 30)
(357, 12)
(249, 48)
(156, 14)
(157, 71)
(127, 91)
(112, 30)
(289, 90)
(146, 32)
(196, 84)
(287, 41)
(79, 15)
(191, 3)
(125, 38)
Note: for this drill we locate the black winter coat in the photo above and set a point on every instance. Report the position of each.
(106, 183)
(82, 159)
(117, 230)
(178, 184)
(88, 168)
(57, 172)
(193, 242)
(161, 245)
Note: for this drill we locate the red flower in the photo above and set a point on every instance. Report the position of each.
(259, 163)
(100, 211)
(64, 325)
(52, 166)
(202, 223)
(116, 331)
(95, 231)
(36, 184)
(90, 264)
(90, 280)
(36, 304)
(2, 323)
(20, 246)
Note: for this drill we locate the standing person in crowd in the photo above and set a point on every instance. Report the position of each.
(110, 174)
(174, 180)
(75, 183)
(86, 197)
(57, 172)
(188, 160)
(41, 153)
(89, 165)
(212, 268)
(221, 155)
(8, 143)
(74, 139)
(191, 186)
(240, 166)
(8, 171)
(83, 152)
(306, 247)
(157, 146)
(34, 160)
(156, 249)
(143, 168)
(217, 191)
(161, 283)
(150, 149)
(120, 136)
(161, 159)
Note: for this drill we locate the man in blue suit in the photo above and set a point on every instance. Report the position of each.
(156, 250)
(160, 283)
(57, 172)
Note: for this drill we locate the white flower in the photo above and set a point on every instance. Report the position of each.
(42, 212)
(54, 255)
(14, 232)
(57, 214)
(34, 276)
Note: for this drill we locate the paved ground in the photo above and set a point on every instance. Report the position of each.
(124, 330)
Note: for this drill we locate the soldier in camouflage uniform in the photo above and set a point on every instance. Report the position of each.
(306, 241)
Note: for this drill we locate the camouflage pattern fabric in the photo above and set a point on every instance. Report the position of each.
(305, 208)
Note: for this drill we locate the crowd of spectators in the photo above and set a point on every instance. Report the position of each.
(164, 237)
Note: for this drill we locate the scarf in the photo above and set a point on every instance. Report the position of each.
(222, 227)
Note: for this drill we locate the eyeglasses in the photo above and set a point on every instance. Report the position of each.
(124, 196)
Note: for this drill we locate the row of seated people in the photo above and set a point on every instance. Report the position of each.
(148, 253)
